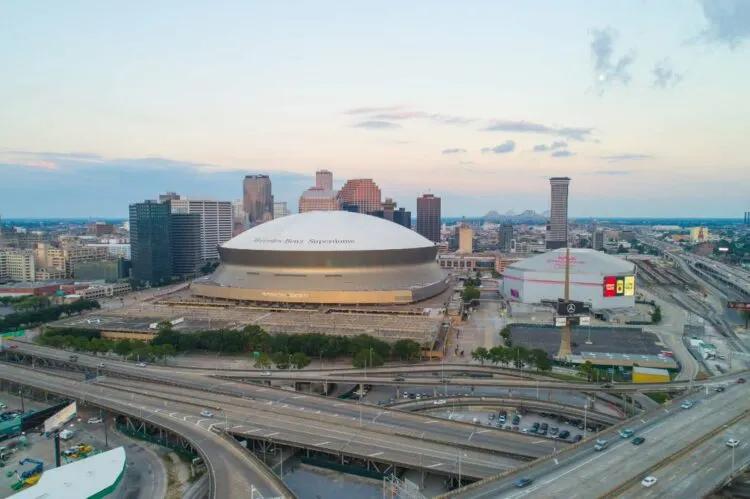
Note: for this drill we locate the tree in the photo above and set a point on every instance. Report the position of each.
(541, 360)
(300, 360)
(520, 356)
(586, 369)
(281, 360)
(497, 354)
(505, 334)
(123, 348)
(406, 349)
(656, 315)
(369, 358)
(263, 361)
(470, 293)
(481, 354)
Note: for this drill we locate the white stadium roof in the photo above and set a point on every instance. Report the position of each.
(328, 231)
(582, 261)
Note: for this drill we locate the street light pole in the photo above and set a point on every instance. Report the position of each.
(585, 417)
(537, 389)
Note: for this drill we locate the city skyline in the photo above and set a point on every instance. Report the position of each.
(638, 102)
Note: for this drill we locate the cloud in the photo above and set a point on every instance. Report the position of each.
(571, 133)
(628, 156)
(664, 76)
(505, 147)
(372, 110)
(376, 125)
(552, 147)
(610, 172)
(608, 70)
(444, 119)
(727, 22)
(562, 154)
(454, 150)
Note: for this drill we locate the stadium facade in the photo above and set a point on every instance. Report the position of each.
(326, 257)
(601, 280)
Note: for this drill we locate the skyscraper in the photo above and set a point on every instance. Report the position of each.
(428, 217)
(597, 239)
(317, 199)
(187, 250)
(402, 217)
(557, 226)
(257, 198)
(505, 238)
(362, 193)
(280, 209)
(389, 208)
(324, 180)
(216, 223)
(150, 242)
(465, 239)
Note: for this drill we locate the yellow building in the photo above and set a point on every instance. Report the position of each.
(465, 240)
(650, 375)
(699, 234)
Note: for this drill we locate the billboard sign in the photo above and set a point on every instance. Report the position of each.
(560, 321)
(609, 286)
(738, 305)
(629, 285)
(585, 320)
(620, 286)
(59, 419)
(571, 307)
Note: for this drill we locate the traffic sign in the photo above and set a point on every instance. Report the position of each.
(738, 305)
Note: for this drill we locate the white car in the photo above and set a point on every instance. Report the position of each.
(141, 364)
(649, 481)
(207, 414)
(265, 373)
(686, 405)
(733, 442)
(95, 420)
(439, 402)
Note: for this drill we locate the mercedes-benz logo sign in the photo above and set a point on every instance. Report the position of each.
(571, 308)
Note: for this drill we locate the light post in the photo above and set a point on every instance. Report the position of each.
(585, 417)
(281, 463)
(537, 389)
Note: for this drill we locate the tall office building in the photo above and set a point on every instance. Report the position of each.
(505, 239)
(362, 193)
(428, 217)
(402, 217)
(257, 198)
(150, 242)
(168, 196)
(324, 180)
(280, 209)
(240, 222)
(317, 199)
(216, 223)
(557, 226)
(597, 239)
(465, 239)
(187, 247)
(388, 207)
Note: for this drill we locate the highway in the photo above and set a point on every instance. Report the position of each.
(667, 431)
(233, 471)
(701, 471)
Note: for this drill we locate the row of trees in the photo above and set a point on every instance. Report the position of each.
(127, 349)
(516, 356)
(25, 303)
(34, 317)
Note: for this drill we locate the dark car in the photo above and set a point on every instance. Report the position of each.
(523, 482)
(638, 440)
(719, 389)
(578, 438)
(741, 380)
(564, 434)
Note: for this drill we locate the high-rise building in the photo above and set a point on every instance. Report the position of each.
(317, 199)
(465, 239)
(362, 193)
(280, 209)
(505, 238)
(428, 217)
(324, 180)
(388, 207)
(557, 226)
(17, 264)
(187, 242)
(747, 218)
(257, 198)
(402, 217)
(216, 223)
(150, 242)
(597, 239)
(240, 221)
(168, 196)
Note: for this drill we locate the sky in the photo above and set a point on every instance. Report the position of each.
(643, 103)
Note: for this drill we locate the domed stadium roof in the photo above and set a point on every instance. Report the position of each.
(328, 231)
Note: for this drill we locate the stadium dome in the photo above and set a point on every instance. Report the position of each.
(334, 257)
(603, 281)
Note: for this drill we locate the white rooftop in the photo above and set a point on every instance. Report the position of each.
(79, 480)
(328, 231)
(582, 261)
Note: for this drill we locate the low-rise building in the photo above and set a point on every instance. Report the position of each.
(17, 265)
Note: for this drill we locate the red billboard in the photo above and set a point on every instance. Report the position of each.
(610, 287)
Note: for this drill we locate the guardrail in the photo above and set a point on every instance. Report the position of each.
(269, 475)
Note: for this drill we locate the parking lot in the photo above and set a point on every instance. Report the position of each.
(589, 339)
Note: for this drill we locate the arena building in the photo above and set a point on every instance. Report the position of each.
(603, 281)
(326, 257)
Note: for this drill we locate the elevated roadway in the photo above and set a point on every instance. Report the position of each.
(667, 431)
(233, 472)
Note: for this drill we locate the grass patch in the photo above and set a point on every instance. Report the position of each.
(658, 397)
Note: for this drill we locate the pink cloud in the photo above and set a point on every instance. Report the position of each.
(44, 165)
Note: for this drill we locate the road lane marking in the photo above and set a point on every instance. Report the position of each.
(375, 454)
(538, 441)
(270, 402)
(272, 434)
(252, 431)
(483, 431)
(321, 444)
(435, 465)
(301, 408)
(238, 426)
(200, 421)
(299, 397)
(432, 421)
(472, 434)
(262, 389)
(171, 414)
(336, 405)
(284, 406)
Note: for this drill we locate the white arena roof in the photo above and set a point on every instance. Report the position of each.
(582, 261)
(328, 231)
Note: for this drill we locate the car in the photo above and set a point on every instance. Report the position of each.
(141, 364)
(94, 420)
(649, 481)
(398, 378)
(607, 385)
(207, 414)
(733, 442)
(719, 389)
(439, 402)
(563, 434)
(600, 445)
(523, 482)
(100, 365)
(638, 440)
(741, 380)
(626, 433)
(266, 373)
(686, 405)
(577, 438)
(13, 346)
